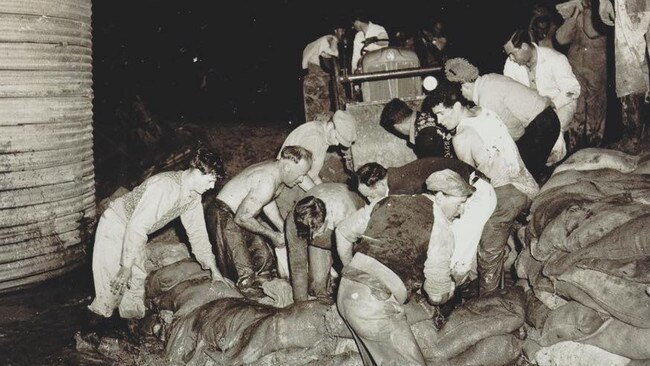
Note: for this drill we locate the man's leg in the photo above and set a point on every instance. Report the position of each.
(320, 262)
(538, 140)
(228, 240)
(379, 325)
(491, 252)
(107, 252)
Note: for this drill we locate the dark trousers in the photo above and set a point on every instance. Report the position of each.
(538, 140)
(239, 253)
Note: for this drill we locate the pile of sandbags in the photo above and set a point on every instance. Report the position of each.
(208, 323)
(587, 261)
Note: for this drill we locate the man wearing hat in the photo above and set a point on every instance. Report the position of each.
(375, 183)
(530, 118)
(407, 245)
(317, 137)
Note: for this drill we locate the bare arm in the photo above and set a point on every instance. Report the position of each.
(273, 214)
(343, 248)
(587, 19)
(250, 208)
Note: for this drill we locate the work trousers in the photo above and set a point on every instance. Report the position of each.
(492, 247)
(538, 140)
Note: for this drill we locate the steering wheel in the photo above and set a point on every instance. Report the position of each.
(369, 41)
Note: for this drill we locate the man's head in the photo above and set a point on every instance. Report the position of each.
(205, 168)
(447, 103)
(295, 162)
(339, 32)
(519, 47)
(372, 181)
(394, 117)
(360, 22)
(345, 129)
(309, 216)
(541, 27)
(450, 192)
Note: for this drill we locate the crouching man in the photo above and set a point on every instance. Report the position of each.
(119, 250)
(233, 218)
(408, 243)
(310, 232)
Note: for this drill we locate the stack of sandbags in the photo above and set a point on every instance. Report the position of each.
(587, 260)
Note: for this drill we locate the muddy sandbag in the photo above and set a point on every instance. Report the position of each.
(237, 331)
(536, 311)
(569, 177)
(597, 158)
(492, 351)
(625, 300)
(580, 225)
(163, 254)
(622, 339)
(570, 353)
(636, 270)
(189, 295)
(570, 322)
(165, 278)
(629, 241)
(474, 320)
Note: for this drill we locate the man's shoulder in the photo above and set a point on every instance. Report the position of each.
(551, 54)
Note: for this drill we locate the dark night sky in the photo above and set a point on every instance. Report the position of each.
(250, 53)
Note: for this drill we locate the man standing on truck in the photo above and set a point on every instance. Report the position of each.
(369, 37)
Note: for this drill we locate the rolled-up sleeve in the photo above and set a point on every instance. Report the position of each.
(437, 272)
(194, 223)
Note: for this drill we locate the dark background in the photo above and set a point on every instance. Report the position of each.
(198, 61)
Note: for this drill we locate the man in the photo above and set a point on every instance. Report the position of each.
(482, 141)
(233, 218)
(369, 37)
(408, 242)
(309, 232)
(427, 137)
(529, 117)
(376, 182)
(119, 250)
(631, 22)
(317, 137)
(548, 72)
(316, 83)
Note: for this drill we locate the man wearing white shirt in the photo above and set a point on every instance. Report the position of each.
(367, 33)
(548, 72)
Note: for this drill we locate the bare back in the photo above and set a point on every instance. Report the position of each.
(260, 177)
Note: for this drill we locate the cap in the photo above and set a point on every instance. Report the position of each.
(449, 182)
(460, 70)
(346, 127)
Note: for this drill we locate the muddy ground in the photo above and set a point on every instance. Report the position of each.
(38, 325)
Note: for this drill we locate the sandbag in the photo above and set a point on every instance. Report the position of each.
(609, 291)
(474, 320)
(622, 339)
(189, 295)
(580, 225)
(163, 254)
(238, 331)
(572, 353)
(636, 270)
(492, 351)
(536, 311)
(163, 279)
(570, 322)
(596, 158)
(629, 241)
(569, 177)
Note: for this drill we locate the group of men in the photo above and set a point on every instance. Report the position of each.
(422, 229)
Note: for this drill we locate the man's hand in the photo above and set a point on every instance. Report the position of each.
(441, 299)
(606, 12)
(118, 284)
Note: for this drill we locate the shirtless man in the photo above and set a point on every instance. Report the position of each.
(236, 231)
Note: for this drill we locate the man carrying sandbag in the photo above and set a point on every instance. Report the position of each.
(408, 244)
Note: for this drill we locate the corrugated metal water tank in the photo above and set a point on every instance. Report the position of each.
(47, 189)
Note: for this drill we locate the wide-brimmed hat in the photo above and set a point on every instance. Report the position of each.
(450, 183)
